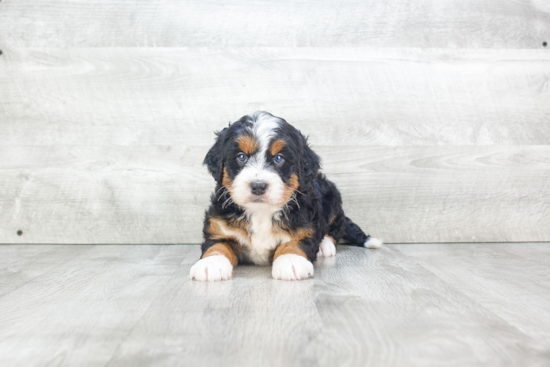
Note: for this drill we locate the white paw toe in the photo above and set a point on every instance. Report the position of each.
(373, 243)
(326, 248)
(212, 268)
(291, 267)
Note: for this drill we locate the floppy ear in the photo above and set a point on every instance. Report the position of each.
(214, 159)
(310, 164)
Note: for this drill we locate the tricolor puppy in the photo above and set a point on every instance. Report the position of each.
(271, 204)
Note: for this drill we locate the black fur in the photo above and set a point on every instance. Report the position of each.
(317, 205)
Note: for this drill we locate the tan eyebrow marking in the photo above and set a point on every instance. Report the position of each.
(248, 144)
(277, 146)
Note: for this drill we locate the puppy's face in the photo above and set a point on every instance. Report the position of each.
(261, 160)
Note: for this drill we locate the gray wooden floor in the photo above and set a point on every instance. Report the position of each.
(414, 305)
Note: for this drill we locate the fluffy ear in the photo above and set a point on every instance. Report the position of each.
(310, 164)
(214, 159)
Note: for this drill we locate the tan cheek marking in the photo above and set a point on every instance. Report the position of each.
(277, 146)
(247, 144)
(289, 248)
(226, 181)
(331, 220)
(222, 249)
(219, 229)
(289, 189)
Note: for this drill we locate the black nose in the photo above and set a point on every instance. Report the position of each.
(258, 187)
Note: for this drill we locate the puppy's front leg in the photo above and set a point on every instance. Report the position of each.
(290, 262)
(216, 263)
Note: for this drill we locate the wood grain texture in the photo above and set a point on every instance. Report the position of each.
(396, 306)
(170, 23)
(79, 311)
(19, 266)
(338, 96)
(158, 194)
(478, 270)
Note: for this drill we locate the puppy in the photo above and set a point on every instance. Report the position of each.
(271, 204)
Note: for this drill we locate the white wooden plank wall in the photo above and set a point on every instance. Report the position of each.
(281, 23)
(433, 119)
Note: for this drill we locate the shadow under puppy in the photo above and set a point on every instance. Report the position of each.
(271, 204)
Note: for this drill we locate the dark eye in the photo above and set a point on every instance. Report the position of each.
(242, 157)
(278, 159)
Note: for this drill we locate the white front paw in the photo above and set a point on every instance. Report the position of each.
(291, 267)
(212, 268)
(326, 248)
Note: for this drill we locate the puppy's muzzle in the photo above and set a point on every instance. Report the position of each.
(258, 187)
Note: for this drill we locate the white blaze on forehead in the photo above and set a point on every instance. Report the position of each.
(260, 215)
(263, 128)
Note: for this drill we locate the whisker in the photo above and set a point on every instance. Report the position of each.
(293, 198)
(296, 190)
(228, 202)
(286, 216)
(284, 209)
(224, 194)
(299, 192)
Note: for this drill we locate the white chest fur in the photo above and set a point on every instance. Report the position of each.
(263, 239)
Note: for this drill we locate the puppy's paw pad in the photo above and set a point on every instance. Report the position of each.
(373, 243)
(326, 248)
(212, 268)
(291, 267)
